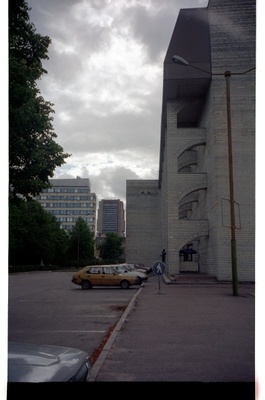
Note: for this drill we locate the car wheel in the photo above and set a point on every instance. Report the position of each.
(124, 284)
(86, 285)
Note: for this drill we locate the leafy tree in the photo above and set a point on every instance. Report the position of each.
(111, 250)
(33, 152)
(81, 244)
(35, 235)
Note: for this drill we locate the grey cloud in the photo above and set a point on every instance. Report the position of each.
(154, 27)
(113, 133)
(108, 114)
(99, 4)
(113, 181)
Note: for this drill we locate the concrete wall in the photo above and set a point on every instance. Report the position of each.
(232, 33)
(143, 222)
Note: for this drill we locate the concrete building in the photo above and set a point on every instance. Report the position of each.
(69, 199)
(187, 209)
(111, 217)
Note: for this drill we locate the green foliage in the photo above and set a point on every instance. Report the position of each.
(35, 235)
(81, 244)
(26, 268)
(33, 152)
(111, 250)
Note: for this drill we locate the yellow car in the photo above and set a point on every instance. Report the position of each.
(103, 275)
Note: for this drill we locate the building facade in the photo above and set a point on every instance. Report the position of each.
(111, 217)
(68, 200)
(191, 208)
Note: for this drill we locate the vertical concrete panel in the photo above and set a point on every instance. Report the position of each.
(143, 234)
(232, 32)
(171, 190)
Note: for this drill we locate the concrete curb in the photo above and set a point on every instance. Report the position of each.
(167, 280)
(104, 353)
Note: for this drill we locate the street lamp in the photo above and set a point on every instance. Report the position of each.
(227, 74)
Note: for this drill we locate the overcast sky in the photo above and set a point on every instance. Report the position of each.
(105, 77)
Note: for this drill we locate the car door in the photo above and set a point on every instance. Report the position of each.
(110, 277)
(94, 274)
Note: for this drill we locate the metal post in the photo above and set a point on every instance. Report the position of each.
(227, 75)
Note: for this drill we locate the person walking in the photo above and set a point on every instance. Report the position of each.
(163, 255)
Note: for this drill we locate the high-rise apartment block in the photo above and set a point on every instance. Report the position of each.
(69, 199)
(111, 217)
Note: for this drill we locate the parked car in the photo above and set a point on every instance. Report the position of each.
(29, 362)
(140, 267)
(128, 269)
(148, 270)
(103, 275)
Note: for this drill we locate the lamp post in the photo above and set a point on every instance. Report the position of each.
(227, 74)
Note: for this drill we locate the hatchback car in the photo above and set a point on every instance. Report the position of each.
(30, 363)
(103, 275)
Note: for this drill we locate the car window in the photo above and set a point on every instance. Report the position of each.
(107, 270)
(95, 270)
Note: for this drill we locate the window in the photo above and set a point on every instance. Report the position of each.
(94, 270)
(107, 270)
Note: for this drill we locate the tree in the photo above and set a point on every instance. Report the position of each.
(81, 244)
(111, 250)
(35, 235)
(33, 152)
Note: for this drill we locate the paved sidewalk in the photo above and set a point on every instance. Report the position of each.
(182, 333)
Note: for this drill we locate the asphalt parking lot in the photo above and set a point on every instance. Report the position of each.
(47, 308)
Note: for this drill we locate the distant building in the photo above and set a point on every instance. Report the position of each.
(111, 217)
(69, 199)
